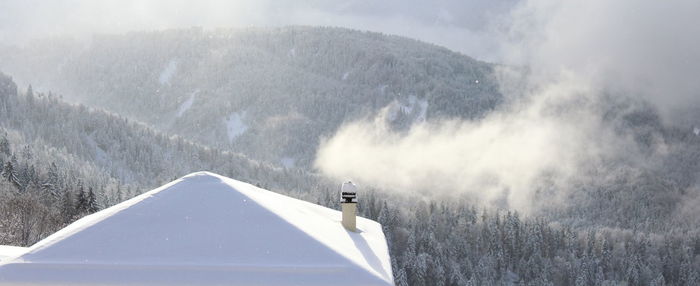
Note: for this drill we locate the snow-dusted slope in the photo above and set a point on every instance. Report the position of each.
(208, 229)
(296, 83)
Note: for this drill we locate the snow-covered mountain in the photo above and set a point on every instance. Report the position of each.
(238, 88)
(98, 144)
(270, 93)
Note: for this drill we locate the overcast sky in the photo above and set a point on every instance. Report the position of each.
(461, 25)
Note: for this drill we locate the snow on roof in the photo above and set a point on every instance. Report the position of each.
(207, 229)
(8, 252)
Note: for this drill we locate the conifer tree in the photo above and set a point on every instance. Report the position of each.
(91, 201)
(30, 91)
(9, 172)
(5, 146)
(51, 184)
(67, 206)
(81, 202)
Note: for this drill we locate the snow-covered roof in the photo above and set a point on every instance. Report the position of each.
(207, 229)
(9, 252)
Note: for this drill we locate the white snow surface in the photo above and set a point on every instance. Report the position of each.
(206, 229)
(413, 106)
(186, 104)
(9, 252)
(234, 125)
(168, 72)
(100, 154)
(423, 105)
(288, 162)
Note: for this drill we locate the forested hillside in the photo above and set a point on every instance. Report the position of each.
(237, 88)
(63, 161)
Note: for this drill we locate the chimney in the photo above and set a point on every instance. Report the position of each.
(348, 203)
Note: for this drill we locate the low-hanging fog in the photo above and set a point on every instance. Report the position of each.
(458, 25)
(552, 126)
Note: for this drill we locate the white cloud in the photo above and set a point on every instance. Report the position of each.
(551, 126)
(641, 48)
(505, 154)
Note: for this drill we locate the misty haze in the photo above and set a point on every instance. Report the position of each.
(507, 142)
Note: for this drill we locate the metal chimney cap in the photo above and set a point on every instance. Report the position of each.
(348, 193)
